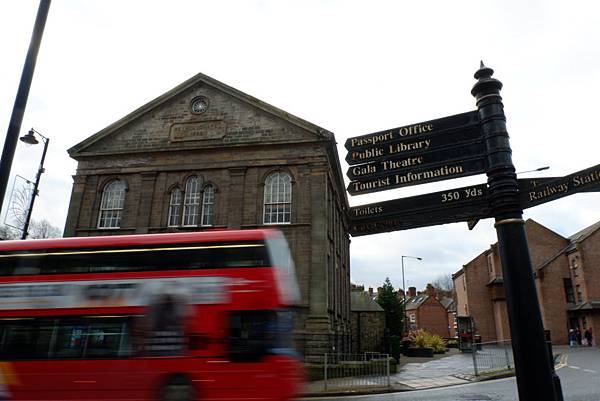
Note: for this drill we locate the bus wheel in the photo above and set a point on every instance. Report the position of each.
(177, 388)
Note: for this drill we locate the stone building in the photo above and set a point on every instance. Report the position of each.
(206, 156)
(567, 278)
(368, 322)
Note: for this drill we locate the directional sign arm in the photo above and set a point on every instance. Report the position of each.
(546, 190)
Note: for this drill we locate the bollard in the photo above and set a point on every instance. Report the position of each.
(555, 378)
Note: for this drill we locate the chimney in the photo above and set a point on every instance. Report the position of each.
(412, 291)
(370, 291)
(430, 290)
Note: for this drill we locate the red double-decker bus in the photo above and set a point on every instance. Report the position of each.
(184, 316)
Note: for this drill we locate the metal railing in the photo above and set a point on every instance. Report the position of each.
(492, 356)
(349, 372)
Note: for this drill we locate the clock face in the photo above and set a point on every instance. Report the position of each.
(199, 105)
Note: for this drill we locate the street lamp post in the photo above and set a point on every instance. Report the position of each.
(534, 170)
(14, 126)
(31, 140)
(404, 290)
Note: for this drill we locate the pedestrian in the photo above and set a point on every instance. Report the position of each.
(572, 338)
(578, 336)
(588, 336)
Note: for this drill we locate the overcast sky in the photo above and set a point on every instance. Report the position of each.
(351, 67)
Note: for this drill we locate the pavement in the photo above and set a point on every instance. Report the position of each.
(413, 373)
(451, 368)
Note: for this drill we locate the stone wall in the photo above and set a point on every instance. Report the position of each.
(367, 331)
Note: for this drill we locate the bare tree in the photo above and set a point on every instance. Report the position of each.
(444, 285)
(7, 232)
(20, 200)
(43, 229)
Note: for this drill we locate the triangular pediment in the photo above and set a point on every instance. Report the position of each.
(199, 113)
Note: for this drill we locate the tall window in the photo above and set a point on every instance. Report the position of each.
(208, 201)
(175, 207)
(569, 295)
(185, 208)
(111, 206)
(191, 202)
(579, 294)
(278, 198)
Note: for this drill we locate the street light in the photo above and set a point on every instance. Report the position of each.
(537, 169)
(30, 139)
(404, 289)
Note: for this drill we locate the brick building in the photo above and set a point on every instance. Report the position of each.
(450, 305)
(424, 311)
(207, 156)
(567, 278)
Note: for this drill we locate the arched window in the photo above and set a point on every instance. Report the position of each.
(111, 206)
(208, 201)
(278, 198)
(191, 202)
(175, 207)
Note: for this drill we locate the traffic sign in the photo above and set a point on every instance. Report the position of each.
(449, 206)
(424, 160)
(415, 131)
(454, 169)
(547, 190)
(409, 146)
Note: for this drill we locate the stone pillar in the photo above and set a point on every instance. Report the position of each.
(318, 325)
(236, 191)
(145, 202)
(73, 213)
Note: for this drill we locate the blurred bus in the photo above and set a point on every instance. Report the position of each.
(180, 316)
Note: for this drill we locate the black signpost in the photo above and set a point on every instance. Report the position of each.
(457, 146)
(533, 366)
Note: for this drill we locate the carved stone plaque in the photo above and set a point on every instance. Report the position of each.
(197, 131)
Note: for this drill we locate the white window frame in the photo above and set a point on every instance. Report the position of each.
(175, 208)
(112, 205)
(277, 200)
(208, 206)
(191, 202)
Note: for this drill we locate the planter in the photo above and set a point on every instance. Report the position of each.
(419, 352)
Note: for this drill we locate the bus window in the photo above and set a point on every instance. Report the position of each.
(254, 334)
(17, 338)
(65, 338)
(108, 338)
(249, 338)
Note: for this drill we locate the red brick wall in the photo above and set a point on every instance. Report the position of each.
(432, 317)
(462, 296)
(553, 299)
(590, 266)
(480, 303)
(543, 242)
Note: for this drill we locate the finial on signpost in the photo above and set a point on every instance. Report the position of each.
(485, 83)
(483, 71)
